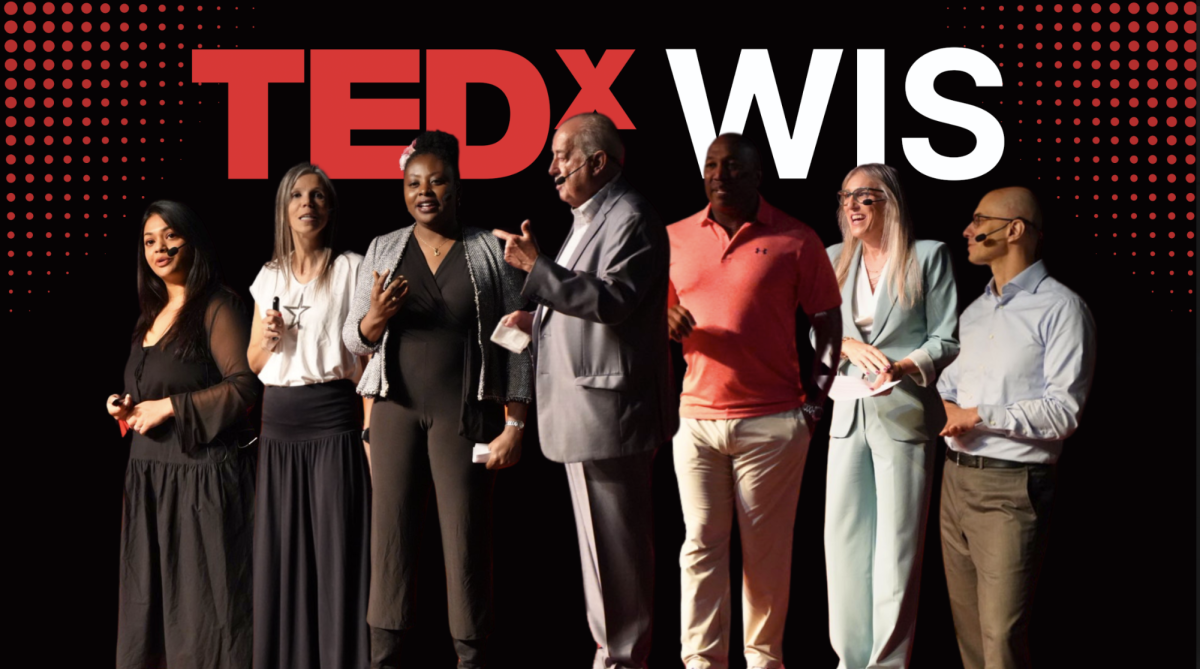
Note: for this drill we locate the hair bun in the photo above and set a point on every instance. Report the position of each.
(441, 144)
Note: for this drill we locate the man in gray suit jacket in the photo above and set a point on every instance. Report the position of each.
(602, 374)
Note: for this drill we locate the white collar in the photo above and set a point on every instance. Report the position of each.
(588, 209)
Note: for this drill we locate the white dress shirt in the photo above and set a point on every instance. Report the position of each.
(582, 215)
(1026, 365)
(865, 299)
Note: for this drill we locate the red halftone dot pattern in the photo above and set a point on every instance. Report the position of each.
(1144, 57)
(90, 91)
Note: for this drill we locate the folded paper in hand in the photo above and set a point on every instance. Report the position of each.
(512, 339)
(855, 388)
(481, 453)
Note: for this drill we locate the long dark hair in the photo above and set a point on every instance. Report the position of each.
(188, 333)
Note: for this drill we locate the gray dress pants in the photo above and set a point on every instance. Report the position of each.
(614, 521)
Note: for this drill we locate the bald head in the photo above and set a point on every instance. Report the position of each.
(1007, 223)
(1013, 202)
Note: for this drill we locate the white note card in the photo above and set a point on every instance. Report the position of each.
(854, 388)
(480, 453)
(512, 339)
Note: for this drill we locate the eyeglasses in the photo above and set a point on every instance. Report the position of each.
(978, 219)
(862, 196)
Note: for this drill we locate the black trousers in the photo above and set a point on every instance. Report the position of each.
(412, 452)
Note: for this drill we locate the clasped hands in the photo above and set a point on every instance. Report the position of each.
(143, 416)
(873, 361)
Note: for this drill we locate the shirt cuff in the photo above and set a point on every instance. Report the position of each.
(949, 396)
(362, 338)
(924, 363)
(991, 417)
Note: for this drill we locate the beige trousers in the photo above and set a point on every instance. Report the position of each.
(751, 467)
(994, 530)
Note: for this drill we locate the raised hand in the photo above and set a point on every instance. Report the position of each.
(520, 251)
(387, 300)
(273, 328)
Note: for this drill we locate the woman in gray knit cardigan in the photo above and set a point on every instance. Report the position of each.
(428, 298)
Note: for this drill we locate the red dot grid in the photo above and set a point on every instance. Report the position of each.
(71, 71)
(1145, 55)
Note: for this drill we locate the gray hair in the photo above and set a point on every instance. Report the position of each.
(597, 132)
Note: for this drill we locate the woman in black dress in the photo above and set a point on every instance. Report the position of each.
(428, 299)
(313, 503)
(189, 487)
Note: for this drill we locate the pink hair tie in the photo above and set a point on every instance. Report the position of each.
(408, 151)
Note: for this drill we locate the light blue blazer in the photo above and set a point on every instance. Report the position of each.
(913, 411)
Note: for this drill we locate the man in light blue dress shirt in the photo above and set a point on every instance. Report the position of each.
(1013, 395)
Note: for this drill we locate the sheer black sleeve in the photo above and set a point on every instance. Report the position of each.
(201, 415)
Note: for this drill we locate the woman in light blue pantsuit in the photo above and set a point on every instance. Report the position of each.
(899, 314)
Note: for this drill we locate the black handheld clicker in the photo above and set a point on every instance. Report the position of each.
(275, 307)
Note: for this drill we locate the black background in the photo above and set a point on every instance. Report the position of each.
(1118, 586)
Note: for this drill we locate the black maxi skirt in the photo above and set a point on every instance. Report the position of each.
(312, 536)
(185, 548)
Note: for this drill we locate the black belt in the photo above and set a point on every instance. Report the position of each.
(984, 462)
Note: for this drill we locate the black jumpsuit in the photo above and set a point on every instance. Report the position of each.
(415, 442)
(189, 506)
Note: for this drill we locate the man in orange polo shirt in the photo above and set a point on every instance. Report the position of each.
(740, 269)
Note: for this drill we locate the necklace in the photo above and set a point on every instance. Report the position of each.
(874, 273)
(436, 251)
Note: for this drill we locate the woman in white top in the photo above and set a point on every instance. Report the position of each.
(313, 507)
(899, 310)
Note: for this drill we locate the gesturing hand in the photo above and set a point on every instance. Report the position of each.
(387, 300)
(150, 414)
(866, 357)
(680, 322)
(958, 419)
(520, 251)
(273, 328)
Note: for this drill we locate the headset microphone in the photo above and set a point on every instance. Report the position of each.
(982, 236)
(172, 251)
(560, 180)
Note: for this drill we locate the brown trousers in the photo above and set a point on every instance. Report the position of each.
(994, 526)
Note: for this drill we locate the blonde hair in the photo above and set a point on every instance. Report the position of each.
(281, 258)
(899, 242)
